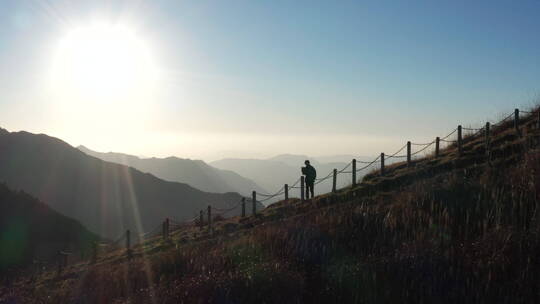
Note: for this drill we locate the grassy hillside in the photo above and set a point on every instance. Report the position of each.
(453, 229)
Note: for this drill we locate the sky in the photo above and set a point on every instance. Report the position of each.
(252, 79)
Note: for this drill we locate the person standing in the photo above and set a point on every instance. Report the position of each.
(311, 175)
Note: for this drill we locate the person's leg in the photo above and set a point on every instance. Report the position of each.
(307, 190)
(312, 188)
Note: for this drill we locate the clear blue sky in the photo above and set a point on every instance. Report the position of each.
(258, 78)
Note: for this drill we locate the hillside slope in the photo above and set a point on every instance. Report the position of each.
(448, 229)
(107, 198)
(31, 231)
(195, 173)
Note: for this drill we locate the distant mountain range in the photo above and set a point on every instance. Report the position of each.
(195, 173)
(274, 172)
(107, 198)
(30, 230)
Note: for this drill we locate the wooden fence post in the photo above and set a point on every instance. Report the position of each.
(334, 180)
(94, 251)
(128, 239)
(59, 262)
(487, 138)
(516, 121)
(459, 140)
(437, 145)
(209, 217)
(128, 242)
(254, 201)
(302, 188)
(382, 163)
(163, 230)
(243, 207)
(201, 220)
(538, 119)
(286, 190)
(354, 172)
(167, 228)
(408, 153)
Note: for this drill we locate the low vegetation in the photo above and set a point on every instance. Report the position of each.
(444, 230)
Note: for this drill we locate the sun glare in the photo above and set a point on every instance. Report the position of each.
(103, 63)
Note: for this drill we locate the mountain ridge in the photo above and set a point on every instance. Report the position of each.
(107, 198)
(193, 172)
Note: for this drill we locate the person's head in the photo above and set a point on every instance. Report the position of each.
(306, 162)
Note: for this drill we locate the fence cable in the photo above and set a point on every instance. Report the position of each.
(266, 194)
(448, 141)
(281, 191)
(151, 232)
(320, 180)
(115, 242)
(324, 178)
(503, 120)
(399, 156)
(180, 223)
(174, 221)
(327, 176)
(443, 138)
(478, 132)
(363, 162)
(471, 129)
(228, 209)
(368, 165)
(345, 168)
(424, 148)
(185, 223)
(394, 155)
(295, 183)
(271, 197)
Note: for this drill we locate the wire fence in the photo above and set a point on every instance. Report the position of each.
(369, 164)
(173, 224)
(395, 153)
(502, 121)
(423, 149)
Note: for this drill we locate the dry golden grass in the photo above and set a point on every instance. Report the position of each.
(445, 230)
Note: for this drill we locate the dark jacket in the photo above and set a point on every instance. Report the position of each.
(310, 173)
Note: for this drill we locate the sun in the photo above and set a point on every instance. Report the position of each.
(102, 63)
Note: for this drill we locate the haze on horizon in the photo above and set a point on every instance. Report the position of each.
(213, 79)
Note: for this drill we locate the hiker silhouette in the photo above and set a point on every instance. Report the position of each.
(311, 175)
